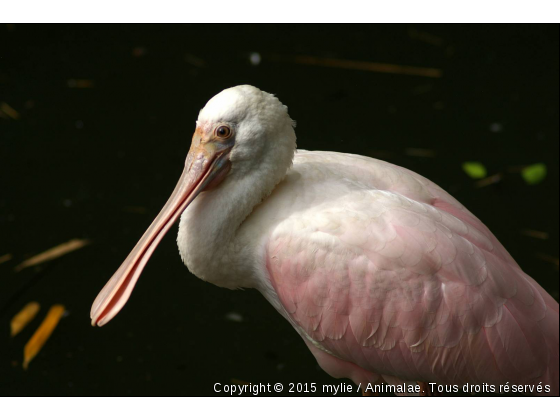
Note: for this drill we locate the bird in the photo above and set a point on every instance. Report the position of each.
(387, 278)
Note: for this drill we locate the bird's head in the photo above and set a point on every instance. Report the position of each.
(241, 127)
(238, 132)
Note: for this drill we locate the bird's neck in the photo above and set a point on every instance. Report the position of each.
(209, 240)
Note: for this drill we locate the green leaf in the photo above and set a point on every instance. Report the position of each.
(475, 170)
(533, 174)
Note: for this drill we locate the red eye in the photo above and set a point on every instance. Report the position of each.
(223, 131)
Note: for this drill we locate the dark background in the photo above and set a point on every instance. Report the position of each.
(98, 162)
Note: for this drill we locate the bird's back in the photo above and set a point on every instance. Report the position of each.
(380, 268)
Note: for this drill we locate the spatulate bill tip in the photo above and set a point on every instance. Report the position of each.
(97, 320)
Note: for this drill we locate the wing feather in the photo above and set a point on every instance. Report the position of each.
(387, 271)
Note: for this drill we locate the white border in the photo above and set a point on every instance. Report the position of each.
(285, 408)
(278, 11)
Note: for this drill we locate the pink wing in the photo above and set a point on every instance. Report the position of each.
(415, 290)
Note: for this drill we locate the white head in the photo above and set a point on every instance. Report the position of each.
(241, 132)
(260, 126)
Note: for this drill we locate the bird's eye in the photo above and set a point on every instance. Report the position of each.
(223, 131)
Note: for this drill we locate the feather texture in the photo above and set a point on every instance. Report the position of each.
(381, 268)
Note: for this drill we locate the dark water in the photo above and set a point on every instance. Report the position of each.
(99, 162)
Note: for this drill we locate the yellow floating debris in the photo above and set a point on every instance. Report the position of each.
(80, 83)
(23, 317)
(236, 381)
(549, 258)
(9, 111)
(425, 37)
(53, 253)
(535, 234)
(36, 343)
(5, 258)
(360, 65)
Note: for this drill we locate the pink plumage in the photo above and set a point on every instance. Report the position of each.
(383, 274)
(419, 291)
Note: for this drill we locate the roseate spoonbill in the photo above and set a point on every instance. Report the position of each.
(383, 274)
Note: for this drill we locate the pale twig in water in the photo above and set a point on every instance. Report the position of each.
(549, 258)
(5, 258)
(56, 252)
(535, 234)
(9, 111)
(494, 179)
(359, 65)
(425, 37)
(23, 317)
